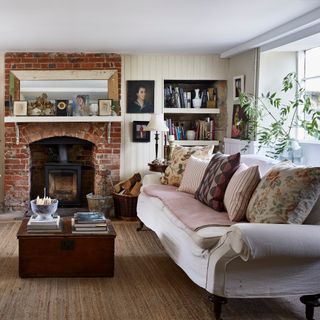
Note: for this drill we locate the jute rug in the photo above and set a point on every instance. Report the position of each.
(147, 285)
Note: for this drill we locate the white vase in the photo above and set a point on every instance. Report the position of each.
(191, 134)
(197, 100)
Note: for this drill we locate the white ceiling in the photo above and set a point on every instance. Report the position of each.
(141, 26)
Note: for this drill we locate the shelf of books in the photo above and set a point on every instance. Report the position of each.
(192, 110)
(192, 129)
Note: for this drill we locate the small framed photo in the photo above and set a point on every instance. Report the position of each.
(105, 107)
(20, 108)
(238, 86)
(138, 131)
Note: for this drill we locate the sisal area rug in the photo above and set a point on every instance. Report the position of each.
(147, 285)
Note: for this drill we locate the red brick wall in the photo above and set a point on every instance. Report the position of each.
(17, 156)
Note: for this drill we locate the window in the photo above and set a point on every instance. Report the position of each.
(311, 82)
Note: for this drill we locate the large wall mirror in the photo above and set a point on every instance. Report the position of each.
(64, 92)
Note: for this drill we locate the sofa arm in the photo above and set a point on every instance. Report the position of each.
(153, 178)
(257, 241)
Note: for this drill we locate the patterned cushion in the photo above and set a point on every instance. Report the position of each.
(286, 194)
(180, 155)
(193, 174)
(239, 191)
(216, 178)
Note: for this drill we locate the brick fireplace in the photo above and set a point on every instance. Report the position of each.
(105, 154)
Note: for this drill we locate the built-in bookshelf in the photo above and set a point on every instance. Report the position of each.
(182, 116)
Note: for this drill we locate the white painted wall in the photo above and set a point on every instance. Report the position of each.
(241, 64)
(135, 156)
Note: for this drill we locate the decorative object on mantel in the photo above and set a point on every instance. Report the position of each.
(62, 107)
(41, 107)
(277, 137)
(20, 108)
(105, 107)
(157, 124)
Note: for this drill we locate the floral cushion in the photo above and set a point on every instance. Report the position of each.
(180, 156)
(216, 178)
(286, 194)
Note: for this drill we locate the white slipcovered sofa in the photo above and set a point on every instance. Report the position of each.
(244, 260)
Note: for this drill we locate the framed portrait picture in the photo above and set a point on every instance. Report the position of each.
(20, 108)
(105, 107)
(80, 105)
(138, 133)
(239, 129)
(238, 86)
(140, 96)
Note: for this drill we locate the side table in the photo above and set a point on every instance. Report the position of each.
(157, 167)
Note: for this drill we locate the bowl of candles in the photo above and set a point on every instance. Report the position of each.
(44, 207)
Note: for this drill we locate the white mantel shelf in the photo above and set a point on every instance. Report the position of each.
(43, 119)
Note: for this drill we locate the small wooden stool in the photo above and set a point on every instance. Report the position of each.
(311, 301)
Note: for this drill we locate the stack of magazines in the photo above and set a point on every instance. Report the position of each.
(89, 222)
(37, 224)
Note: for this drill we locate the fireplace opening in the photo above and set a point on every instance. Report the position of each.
(63, 165)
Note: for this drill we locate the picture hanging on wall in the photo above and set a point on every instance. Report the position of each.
(140, 96)
(238, 86)
(239, 123)
(138, 131)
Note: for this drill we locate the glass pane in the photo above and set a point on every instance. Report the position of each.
(64, 89)
(313, 62)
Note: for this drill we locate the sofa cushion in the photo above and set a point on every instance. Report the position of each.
(191, 212)
(180, 155)
(202, 239)
(193, 174)
(286, 194)
(216, 178)
(239, 191)
(314, 216)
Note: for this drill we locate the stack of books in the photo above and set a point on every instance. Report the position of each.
(90, 222)
(37, 224)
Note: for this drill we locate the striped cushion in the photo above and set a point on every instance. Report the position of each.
(193, 174)
(239, 191)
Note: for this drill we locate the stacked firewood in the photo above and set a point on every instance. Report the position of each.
(129, 187)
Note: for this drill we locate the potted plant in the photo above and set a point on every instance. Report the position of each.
(277, 136)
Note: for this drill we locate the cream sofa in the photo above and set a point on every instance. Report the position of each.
(244, 260)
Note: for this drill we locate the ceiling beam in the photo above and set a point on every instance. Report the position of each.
(306, 21)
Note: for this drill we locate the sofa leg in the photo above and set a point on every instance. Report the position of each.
(217, 305)
(311, 301)
(141, 225)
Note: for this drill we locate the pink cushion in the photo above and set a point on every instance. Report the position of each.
(190, 211)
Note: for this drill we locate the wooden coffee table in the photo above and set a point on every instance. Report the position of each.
(65, 254)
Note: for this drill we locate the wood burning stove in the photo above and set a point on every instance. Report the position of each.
(63, 182)
(62, 178)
